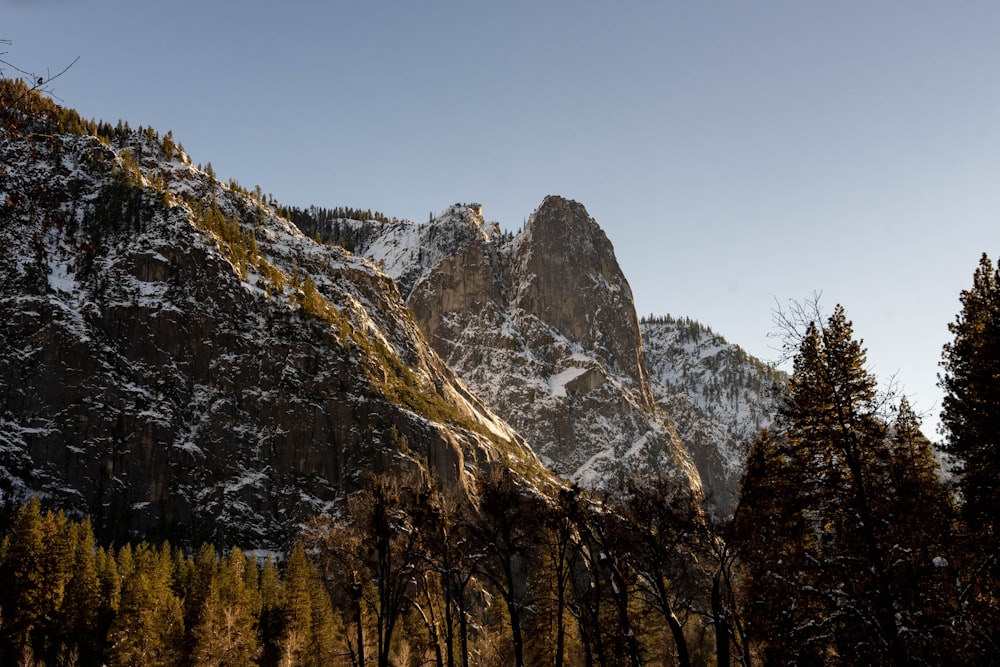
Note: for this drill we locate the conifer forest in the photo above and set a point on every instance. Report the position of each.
(847, 546)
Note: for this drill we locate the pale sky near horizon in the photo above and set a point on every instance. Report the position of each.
(738, 155)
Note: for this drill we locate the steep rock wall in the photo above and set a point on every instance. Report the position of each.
(542, 326)
(180, 362)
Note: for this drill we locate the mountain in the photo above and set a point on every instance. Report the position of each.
(541, 324)
(719, 397)
(180, 361)
(184, 358)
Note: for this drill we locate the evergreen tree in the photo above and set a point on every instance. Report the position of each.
(971, 406)
(226, 631)
(271, 619)
(297, 616)
(309, 625)
(35, 566)
(326, 626)
(80, 612)
(770, 527)
(828, 479)
(149, 627)
(970, 421)
(109, 593)
(919, 519)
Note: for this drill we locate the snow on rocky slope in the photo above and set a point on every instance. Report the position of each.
(542, 326)
(719, 397)
(180, 361)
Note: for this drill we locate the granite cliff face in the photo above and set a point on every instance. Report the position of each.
(542, 326)
(180, 361)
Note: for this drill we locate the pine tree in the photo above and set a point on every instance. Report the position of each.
(21, 577)
(971, 406)
(771, 527)
(271, 619)
(35, 566)
(80, 612)
(109, 585)
(827, 471)
(226, 630)
(919, 516)
(297, 619)
(149, 627)
(970, 420)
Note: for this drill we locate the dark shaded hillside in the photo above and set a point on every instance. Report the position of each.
(180, 361)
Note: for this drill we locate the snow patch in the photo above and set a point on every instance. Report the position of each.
(557, 383)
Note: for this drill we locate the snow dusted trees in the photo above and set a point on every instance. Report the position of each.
(971, 414)
(841, 568)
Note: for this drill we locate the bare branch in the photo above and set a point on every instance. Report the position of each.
(36, 83)
(790, 323)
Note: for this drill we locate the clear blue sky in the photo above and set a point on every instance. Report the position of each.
(737, 154)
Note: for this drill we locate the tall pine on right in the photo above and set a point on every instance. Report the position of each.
(971, 406)
(970, 420)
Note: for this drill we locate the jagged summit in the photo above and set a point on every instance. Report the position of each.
(542, 326)
(572, 280)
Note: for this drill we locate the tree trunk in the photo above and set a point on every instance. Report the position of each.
(515, 633)
(677, 630)
(560, 613)
(620, 594)
(463, 629)
(356, 600)
(721, 623)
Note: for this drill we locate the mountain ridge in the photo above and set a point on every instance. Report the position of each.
(474, 278)
(542, 325)
(183, 362)
(188, 361)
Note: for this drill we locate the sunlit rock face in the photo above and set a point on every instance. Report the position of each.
(542, 326)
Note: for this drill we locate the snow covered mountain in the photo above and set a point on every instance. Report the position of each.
(719, 397)
(180, 361)
(542, 326)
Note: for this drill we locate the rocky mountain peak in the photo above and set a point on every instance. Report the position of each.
(572, 281)
(542, 326)
(470, 215)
